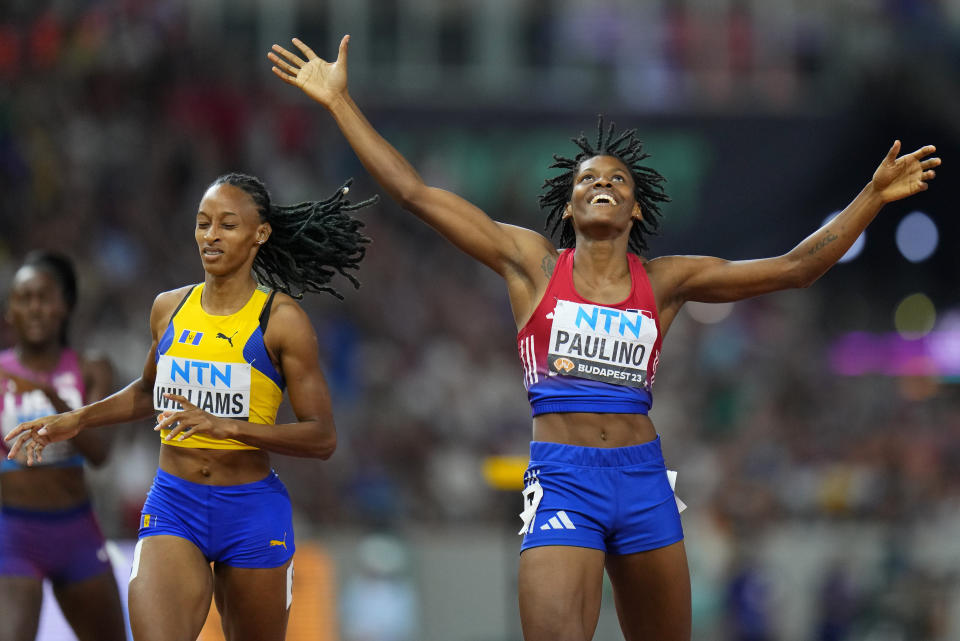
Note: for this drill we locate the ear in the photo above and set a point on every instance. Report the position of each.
(263, 233)
(567, 212)
(636, 213)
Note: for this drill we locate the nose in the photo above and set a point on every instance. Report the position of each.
(210, 233)
(603, 182)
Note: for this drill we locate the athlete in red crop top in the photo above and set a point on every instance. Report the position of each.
(603, 203)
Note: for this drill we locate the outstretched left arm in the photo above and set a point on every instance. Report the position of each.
(713, 280)
(291, 337)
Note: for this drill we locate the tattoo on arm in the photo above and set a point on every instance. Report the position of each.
(547, 265)
(829, 238)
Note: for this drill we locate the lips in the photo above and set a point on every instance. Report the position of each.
(603, 198)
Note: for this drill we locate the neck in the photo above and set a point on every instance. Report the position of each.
(226, 295)
(40, 358)
(601, 259)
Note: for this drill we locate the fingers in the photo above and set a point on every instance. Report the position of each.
(293, 58)
(184, 403)
(894, 150)
(16, 447)
(282, 64)
(307, 51)
(165, 420)
(17, 431)
(287, 78)
(929, 163)
(923, 151)
(342, 52)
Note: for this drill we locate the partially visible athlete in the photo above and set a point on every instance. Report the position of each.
(591, 317)
(222, 353)
(47, 527)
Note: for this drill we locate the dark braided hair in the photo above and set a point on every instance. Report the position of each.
(310, 243)
(624, 146)
(60, 268)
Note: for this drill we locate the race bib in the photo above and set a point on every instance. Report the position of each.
(222, 389)
(601, 343)
(532, 493)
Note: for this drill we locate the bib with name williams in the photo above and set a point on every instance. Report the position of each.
(220, 364)
(581, 356)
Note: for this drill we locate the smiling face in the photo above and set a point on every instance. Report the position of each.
(602, 203)
(36, 309)
(229, 230)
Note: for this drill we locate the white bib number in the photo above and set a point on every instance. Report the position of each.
(222, 389)
(601, 343)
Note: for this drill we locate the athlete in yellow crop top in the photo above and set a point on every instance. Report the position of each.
(223, 351)
(220, 364)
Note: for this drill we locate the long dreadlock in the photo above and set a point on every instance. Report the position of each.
(311, 242)
(625, 146)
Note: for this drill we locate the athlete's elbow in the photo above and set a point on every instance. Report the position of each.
(326, 445)
(797, 275)
(411, 195)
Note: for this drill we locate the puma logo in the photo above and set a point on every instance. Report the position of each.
(276, 543)
(229, 338)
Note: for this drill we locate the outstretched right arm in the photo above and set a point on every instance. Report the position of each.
(133, 402)
(513, 252)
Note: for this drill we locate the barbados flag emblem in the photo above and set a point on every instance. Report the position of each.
(189, 336)
(146, 520)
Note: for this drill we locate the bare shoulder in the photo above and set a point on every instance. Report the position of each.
(289, 325)
(165, 303)
(286, 309)
(677, 266)
(537, 254)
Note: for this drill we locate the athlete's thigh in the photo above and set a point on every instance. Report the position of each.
(21, 597)
(560, 588)
(652, 593)
(92, 608)
(254, 603)
(170, 589)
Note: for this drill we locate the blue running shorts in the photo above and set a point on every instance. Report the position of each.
(619, 500)
(244, 526)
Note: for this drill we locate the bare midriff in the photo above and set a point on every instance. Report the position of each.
(594, 430)
(215, 467)
(44, 488)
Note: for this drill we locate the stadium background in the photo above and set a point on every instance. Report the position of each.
(816, 433)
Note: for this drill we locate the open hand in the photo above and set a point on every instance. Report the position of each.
(321, 80)
(898, 178)
(191, 420)
(31, 437)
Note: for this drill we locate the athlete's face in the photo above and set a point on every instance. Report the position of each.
(36, 309)
(229, 230)
(602, 203)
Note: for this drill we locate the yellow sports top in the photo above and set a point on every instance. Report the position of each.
(220, 364)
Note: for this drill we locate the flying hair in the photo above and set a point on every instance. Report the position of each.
(648, 189)
(310, 243)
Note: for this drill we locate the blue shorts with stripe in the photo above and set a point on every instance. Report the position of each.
(619, 500)
(244, 526)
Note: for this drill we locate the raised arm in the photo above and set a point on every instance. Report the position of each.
(713, 280)
(291, 339)
(508, 250)
(133, 402)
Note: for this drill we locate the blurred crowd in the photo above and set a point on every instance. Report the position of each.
(114, 116)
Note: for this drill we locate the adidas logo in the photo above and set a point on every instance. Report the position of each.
(559, 522)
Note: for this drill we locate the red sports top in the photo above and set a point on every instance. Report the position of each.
(579, 356)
